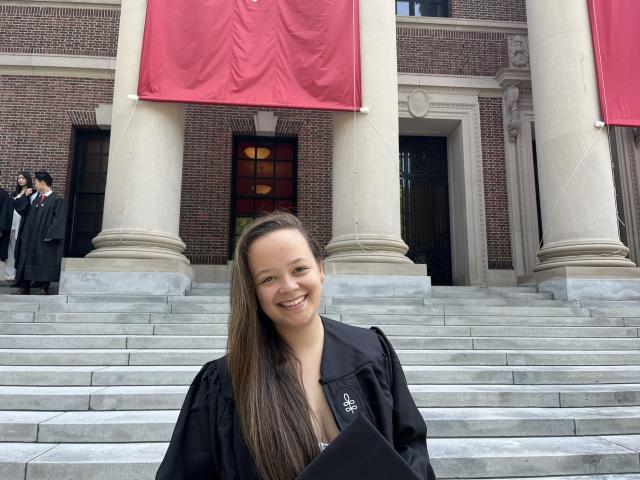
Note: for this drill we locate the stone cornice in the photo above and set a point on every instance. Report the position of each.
(90, 4)
(483, 86)
(462, 24)
(57, 65)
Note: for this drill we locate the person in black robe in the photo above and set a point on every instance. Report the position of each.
(6, 219)
(40, 251)
(378, 432)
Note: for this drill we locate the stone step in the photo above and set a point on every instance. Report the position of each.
(166, 397)
(419, 301)
(530, 422)
(536, 343)
(157, 426)
(477, 320)
(451, 458)
(46, 375)
(628, 312)
(63, 341)
(59, 357)
(92, 328)
(42, 317)
(32, 299)
(462, 291)
(116, 299)
(95, 461)
(107, 308)
(456, 310)
(606, 395)
(533, 456)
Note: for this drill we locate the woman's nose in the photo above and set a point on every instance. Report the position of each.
(288, 284)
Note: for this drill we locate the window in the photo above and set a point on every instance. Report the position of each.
(264, 180)
(422, 8)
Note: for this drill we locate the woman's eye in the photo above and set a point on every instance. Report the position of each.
(300, 269)
(266, 280)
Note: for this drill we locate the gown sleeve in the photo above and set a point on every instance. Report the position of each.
(22, 205)
(409, 429)
(57, 228)
(189, 456)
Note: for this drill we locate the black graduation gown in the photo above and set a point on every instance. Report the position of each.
(361, 375)
(6, 220)
(37, 260)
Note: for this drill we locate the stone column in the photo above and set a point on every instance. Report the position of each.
(366, 185)
(138, 250)
(577, 199)
(142, 198)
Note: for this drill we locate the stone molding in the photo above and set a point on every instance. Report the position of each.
(450, 84)
(373, 248)
(583, 254)
(469, 254)
(75, 4)
(628, 158)
(57, 65)
(462, 24)
(518, 49)
(82, 118)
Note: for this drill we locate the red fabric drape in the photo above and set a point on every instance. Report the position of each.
(272, 53)
(615, 28)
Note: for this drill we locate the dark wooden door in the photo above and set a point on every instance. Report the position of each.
(86, 198)
(424, 190)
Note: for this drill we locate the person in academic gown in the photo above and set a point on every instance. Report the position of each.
(346, 389)
(6, 219)
(42, 235)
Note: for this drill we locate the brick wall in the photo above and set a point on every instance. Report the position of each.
(444, 52)
(503, 10)
(37, 116)
(496, 202)
(50, 30)
(206, 179)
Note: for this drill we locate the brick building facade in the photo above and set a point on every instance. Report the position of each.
(56, 69)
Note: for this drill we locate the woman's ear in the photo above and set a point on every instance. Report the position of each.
(321, 268)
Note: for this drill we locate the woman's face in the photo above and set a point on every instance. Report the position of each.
(22, 181)
(287, 278)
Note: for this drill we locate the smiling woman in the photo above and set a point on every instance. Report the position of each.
(292, 381)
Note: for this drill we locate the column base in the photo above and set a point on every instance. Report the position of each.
(590, 283)
(359, 279)
(138, 244)
(602, 254)
(367, 248)
(121, 276)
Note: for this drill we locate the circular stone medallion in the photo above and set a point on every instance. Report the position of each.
(418, 103)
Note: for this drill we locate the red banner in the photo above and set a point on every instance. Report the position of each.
(269, 53)
(616, 39)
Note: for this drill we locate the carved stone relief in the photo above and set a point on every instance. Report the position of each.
(512, 111)
(518, 46)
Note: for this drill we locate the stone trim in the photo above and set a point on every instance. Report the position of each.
(628, 158)
(468, 85)
(461, 25)
(70, 8)
(82, 118)
(57, 65)
(467, 212)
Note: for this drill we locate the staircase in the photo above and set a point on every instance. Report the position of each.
(510, 382)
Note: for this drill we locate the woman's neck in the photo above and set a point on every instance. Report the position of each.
(305, 341)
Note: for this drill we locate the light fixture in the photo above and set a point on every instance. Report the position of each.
(261, 189)
(259, 153)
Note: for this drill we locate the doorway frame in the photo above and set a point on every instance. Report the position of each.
(469, 254)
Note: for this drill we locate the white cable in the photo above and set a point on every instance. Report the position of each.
(575, 170)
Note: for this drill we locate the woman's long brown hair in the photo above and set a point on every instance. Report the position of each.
(272, 406)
